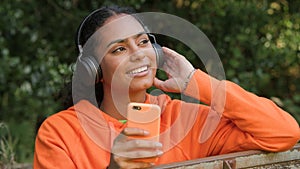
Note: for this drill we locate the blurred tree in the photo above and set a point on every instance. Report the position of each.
(257, 41)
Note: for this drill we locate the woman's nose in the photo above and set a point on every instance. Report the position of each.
(137, 53)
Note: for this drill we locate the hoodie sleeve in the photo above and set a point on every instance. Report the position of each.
(269, 127)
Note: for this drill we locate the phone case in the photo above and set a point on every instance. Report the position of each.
(147, 117)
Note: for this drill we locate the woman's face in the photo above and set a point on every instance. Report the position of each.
(129, 60)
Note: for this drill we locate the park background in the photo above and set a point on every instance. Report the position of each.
(258, 42)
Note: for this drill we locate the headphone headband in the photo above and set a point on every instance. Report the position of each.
(80, 48)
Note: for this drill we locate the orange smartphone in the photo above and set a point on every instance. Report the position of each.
(147, 117)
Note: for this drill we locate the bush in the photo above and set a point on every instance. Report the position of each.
(258, 43)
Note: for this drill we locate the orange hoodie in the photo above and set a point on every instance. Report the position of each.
(234, 120)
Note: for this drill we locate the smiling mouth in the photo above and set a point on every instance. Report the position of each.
(138, 70)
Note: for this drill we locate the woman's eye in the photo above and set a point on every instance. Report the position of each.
(119, 49)
(144, 41)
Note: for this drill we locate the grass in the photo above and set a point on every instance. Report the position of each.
(7, 147)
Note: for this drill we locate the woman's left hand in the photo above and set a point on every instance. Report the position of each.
(179, 70)
(127, 152)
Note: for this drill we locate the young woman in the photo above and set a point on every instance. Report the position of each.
(90, 134)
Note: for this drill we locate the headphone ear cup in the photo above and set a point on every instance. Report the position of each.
(88, 70)
(159, 55)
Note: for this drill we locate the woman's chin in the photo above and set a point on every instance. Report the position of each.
(141, 85)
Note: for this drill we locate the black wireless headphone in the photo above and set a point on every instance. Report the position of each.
(89, 67)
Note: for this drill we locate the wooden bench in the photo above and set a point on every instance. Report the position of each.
(246, 159)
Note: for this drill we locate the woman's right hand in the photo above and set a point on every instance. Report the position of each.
(127, 151)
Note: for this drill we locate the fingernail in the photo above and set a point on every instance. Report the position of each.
(158, 144)
(159, 153)
(125, 130)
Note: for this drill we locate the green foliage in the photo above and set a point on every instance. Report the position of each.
(257, 41)
(31, 71)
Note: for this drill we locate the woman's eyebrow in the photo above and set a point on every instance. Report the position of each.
(123, 40)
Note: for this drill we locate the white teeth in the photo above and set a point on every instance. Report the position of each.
(138, 70)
